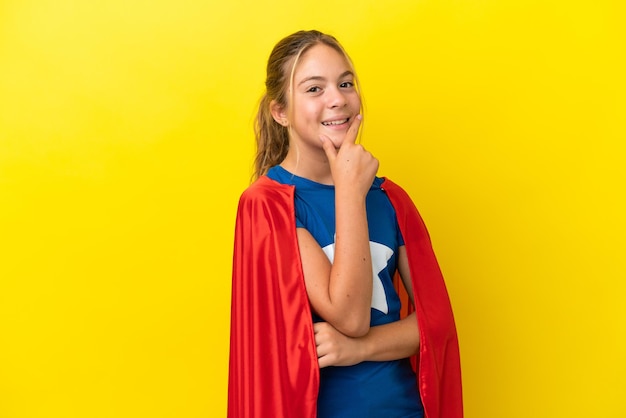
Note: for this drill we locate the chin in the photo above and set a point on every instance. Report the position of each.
(337, 141)
(337, 144)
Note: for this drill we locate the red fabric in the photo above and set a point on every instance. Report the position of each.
(439, 371)
(273, 370)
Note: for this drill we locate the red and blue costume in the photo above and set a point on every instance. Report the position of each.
(273, 362)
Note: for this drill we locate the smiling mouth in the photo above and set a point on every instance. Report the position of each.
(336, 122)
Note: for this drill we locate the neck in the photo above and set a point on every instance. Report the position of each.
(312, 166)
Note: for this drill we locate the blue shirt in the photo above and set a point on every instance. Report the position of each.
(368, 389)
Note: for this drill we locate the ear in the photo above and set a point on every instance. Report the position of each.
(279, 113)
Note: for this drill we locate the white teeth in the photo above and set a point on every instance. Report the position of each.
(335, 122)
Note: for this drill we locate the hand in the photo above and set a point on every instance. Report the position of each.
(334, 348)
(351, 165)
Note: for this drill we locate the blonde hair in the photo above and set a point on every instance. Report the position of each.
(272, 138)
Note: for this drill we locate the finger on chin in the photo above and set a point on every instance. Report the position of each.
(329, 146)
(354, 128)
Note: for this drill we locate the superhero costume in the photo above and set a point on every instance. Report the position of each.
(369, 388)
(273, 362)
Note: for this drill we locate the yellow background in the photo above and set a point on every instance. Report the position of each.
(125, 141)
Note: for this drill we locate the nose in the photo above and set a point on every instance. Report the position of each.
(336, 98)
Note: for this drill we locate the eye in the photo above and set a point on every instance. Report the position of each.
(314, 89)
(346, 85)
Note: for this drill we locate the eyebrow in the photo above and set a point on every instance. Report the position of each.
(320, 78)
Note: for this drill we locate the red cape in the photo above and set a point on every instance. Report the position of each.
(273, 370)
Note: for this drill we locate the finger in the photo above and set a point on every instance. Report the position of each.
(319, 326)
(324, 361)
(321, 350)
(329, 148)
(353, 130)
(318, 329)
(324, 357)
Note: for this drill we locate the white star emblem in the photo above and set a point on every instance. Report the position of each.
(380, 257)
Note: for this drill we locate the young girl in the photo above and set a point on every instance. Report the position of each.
(315, 326)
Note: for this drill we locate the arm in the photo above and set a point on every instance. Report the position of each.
(341, 292)
(392, 341)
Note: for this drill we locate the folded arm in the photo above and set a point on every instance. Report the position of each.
(341, 292)
(391, 341)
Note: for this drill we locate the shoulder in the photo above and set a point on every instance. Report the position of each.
(266, 207)
(266, 188)
(265, 192)
(395, 191)
(400, 200)
(409, 218)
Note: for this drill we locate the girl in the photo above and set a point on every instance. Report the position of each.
(315, 324)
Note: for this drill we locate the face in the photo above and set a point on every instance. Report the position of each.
(324, 98)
